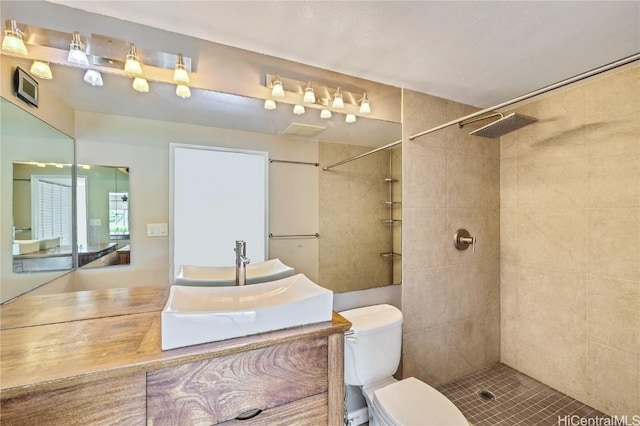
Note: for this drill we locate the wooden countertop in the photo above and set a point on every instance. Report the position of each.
(90, 344)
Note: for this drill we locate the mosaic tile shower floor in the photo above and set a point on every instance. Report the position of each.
(519, 400)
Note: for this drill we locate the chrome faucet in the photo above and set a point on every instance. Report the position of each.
(241, 262)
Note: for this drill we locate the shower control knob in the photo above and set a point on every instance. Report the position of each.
(462, 240)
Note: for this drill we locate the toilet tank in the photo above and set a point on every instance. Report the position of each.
(372, 351)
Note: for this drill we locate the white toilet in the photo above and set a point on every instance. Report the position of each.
(371, 357)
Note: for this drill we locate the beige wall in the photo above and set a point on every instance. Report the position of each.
(570, 247)
(450, 298)
(143, 146)
(352, 235)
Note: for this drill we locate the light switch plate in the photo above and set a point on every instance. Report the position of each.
(157, 230)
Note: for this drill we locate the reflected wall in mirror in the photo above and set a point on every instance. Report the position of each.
(37, 227)
(103, 200)
(360, 218)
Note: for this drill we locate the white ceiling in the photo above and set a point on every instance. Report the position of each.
(477, 52)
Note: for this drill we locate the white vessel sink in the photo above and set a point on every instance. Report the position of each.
(195, 315)
(48, 243)
(25, 246)
(260, 272)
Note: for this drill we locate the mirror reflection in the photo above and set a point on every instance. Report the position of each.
(37, 225)
(42, 217)
(103, 200)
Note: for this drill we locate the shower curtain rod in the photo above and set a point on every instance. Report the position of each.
(574, 79)
(373, 151)
(530, 95)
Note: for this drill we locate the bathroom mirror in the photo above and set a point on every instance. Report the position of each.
(103, 226)
(36, 212)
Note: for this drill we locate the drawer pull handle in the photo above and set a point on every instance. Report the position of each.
(249, 414)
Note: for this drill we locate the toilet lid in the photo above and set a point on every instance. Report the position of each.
(412, 402)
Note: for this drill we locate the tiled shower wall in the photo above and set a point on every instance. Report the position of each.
(570, 243)
(450, 298)
(352, 234)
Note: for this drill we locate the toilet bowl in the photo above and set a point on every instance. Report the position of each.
(372, 355)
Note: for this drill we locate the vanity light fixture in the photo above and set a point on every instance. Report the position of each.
(180, 75)
(298, 109)
(12, 41)
(140, 85)
(350, 118)
(77, 54)
(365, 108)
(325, 114)
(338, 103)
(93, 78)
(309, 96)
(183, 91)
(41, 70)
(277, 90)
(269, 104)
(132, 65)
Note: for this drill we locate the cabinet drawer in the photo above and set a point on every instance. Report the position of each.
(309, 411)
(106, 402)
(216, 390)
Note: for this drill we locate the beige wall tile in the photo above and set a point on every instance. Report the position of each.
(420, 113)
(613, 313)
(614, 243)
(554, 297)
(614, 97)
(473, 290)
(509, 145)
(424, 355)
(469, 182)
(459, 140)
(424, 304)
(553, 355)
(508, 183)
(613, 382)
(508, 289)
(553, 238)
(424, 177)
(509, 234)
(425, 238)
(467, 345)
(553, 177)
(614, 164)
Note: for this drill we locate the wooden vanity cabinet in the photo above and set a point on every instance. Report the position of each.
(276, 383)
(91, 369)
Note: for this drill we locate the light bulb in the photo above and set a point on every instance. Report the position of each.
(140, 85)
(325, 114)
(180, 75)
(350, 118)
(309, 96)
(183, 91)
(365, 108)
(269, 104)
(132, 65)
(41, 69)
(76, 51)
(298, 109)
(93, 77)
(338, 103)
(12, 41)
(278, 90)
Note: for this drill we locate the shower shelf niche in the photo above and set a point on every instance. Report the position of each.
(389, 220)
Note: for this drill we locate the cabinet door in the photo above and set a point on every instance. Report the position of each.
(107, 402)
(220, 389)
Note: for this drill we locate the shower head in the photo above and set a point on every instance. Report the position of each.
(504, 125)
